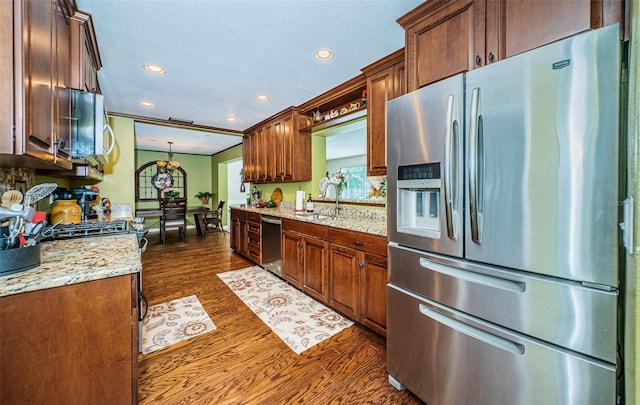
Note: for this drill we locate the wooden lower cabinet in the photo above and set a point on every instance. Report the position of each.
(373, 293)
(357, 285)
(254, 237)
(314, 263)
(239, 233)
(76, 344)
(292, 258)
(344, 269)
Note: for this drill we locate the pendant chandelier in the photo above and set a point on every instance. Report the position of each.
(168, 165)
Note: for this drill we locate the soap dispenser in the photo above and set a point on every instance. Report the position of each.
(309, 204)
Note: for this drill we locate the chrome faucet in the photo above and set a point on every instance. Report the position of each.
(338, 208)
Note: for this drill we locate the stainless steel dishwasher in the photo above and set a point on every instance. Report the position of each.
(272, 244)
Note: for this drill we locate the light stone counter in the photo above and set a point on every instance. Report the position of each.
(354, 218)
(77, 260)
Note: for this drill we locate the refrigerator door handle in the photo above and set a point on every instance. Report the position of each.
(469, 330)
(475, 166)
(493, 282)
(451, 143)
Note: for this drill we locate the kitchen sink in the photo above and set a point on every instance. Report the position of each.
(319, 217)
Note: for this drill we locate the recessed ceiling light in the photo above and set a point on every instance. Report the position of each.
(147, 104)
(231, 118)
(154, 69)
(323, 54)
(262, 97)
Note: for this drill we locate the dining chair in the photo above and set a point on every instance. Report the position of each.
(213, 219)
(174, 216)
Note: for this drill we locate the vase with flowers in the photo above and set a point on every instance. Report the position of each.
(171, 192)
(341, 181)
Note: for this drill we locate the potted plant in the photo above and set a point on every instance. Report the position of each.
(204, 196)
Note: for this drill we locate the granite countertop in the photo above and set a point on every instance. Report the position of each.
(371, 221)
(77, 260)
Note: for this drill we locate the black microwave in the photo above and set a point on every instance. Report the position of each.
(91, 138)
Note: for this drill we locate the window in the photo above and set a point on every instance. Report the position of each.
(145, 190)
(357, 187)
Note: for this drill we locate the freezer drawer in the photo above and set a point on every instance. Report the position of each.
(446, 357)
(554, 310)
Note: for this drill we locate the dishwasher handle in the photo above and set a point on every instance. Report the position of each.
(272, 220)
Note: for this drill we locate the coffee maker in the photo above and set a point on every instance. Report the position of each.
(85, 197)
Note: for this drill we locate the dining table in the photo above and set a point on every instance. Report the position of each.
(198, 213)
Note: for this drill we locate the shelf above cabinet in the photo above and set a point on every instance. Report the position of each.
(340, 119)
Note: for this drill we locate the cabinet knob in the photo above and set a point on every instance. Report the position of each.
(491, 57)
(359, 243)
(360, 263)
(478, 60)
(299, 244)
(340, 250)
(60, 143)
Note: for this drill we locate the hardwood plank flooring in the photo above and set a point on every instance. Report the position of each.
(243, 361)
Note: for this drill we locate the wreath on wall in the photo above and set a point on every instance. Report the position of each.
(162, 180)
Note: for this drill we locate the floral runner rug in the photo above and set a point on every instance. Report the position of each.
(300, 321)
(172, 322)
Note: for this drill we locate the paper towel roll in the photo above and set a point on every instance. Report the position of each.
(300, 200)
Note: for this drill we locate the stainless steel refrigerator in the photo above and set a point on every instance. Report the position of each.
(503, 212)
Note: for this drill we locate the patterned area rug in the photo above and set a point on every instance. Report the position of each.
(298, 320)
(172, 322)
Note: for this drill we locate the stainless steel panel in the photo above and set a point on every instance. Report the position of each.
(421, 127)
(272, 244)
(543, 160)
(446, 357)
(563, 313)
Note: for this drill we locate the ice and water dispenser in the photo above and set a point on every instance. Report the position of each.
(419, 200)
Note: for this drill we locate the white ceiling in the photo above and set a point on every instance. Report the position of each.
(218, 55)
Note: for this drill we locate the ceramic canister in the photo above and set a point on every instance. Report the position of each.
(66, 211)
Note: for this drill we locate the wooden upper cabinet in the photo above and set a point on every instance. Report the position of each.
(447, 37)
(247, 170)
(6, 77)
(443, 38)
(276, 151)
(385, 81)
(62, 107)
(516, 26)
(84, 53)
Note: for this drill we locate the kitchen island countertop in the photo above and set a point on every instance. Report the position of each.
(77, 260)
(359, 220)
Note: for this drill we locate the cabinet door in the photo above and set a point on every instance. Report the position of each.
(62, 107)
(278, 147)
(256, 155)
(315, 268)
(373, 292)
(443, 38)
(344, 280)
(380, 90)
(516, 26)
(243, 238)
(247, 166)
(39, 70)
(288, 151)
(57, 344)
(268, 145)
(234, 230)
(292, 269)
(6, 77)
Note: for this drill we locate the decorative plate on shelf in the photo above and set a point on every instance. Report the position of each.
(276, 196)
(324, 182)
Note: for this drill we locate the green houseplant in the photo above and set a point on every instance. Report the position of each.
(204, 196)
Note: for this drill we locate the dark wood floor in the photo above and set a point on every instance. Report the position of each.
(243, 361)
